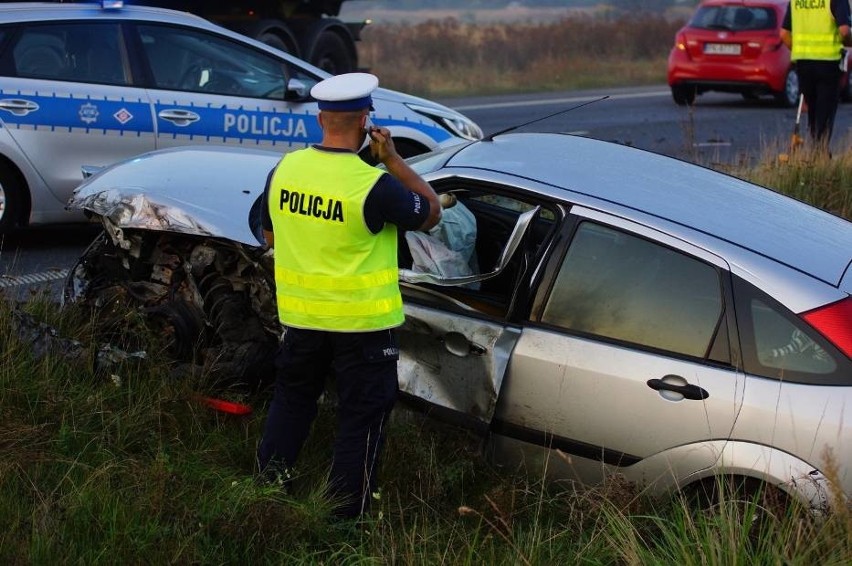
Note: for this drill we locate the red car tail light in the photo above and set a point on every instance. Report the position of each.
(834, 321)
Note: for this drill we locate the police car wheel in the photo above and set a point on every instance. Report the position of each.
(11, 200)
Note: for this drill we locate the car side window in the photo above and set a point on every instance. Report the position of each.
(783, 345)
(621, 287)
(188, 60)
(79, 52)
(778, 344)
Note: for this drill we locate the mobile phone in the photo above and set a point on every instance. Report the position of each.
(369, 127)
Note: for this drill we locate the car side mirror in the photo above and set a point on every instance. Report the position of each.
(297, 90)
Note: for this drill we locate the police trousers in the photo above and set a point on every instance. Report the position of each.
(819, 81)
(364, 365)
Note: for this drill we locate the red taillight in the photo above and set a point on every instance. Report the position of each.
(834, 321)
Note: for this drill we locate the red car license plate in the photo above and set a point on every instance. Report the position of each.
(722, 48)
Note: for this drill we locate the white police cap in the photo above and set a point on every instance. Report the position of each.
(346, 92)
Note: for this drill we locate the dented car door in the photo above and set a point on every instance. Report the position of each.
(453, 358)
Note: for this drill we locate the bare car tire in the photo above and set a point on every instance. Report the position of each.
(11, 199)
(331, 54)
(683, 95)
(789, 97)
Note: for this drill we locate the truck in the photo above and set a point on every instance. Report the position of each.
(307, 29)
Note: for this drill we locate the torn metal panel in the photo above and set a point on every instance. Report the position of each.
(453, 361)
(204, 191)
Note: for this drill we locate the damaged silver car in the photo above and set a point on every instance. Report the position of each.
(642, 315)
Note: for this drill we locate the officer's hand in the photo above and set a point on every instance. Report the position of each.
(381, 144)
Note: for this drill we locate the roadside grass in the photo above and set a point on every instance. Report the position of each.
(118, 461)
(449, 57)
(812, 177)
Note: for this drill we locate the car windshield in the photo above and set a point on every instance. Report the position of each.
(734, 18)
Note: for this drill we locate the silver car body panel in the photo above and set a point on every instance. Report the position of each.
(229, 181)
(756, 218)
(678, 467)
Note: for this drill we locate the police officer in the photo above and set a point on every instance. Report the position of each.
(816, 31)
(332, 222)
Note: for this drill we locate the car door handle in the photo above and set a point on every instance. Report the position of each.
(179, 117)
(457, 344)
(677, 384)
(17, 106)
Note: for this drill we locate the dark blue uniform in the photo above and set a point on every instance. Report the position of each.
(365, 368)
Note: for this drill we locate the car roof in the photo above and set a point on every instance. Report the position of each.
(620, 179)
(11, 12)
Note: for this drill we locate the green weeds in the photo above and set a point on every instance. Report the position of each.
(121, 463)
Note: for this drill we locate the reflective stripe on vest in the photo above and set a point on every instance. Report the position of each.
(815, 33)
(331, 272)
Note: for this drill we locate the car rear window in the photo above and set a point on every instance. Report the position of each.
(734, 18)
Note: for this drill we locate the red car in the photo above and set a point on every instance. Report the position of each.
(733, 46)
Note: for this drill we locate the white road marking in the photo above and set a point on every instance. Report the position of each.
(568, 100)
(32, 278)
(712, 144)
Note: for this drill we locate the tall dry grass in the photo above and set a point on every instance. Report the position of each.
(449, 57)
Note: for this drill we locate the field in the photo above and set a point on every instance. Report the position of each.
(448, 57)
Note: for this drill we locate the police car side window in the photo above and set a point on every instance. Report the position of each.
(187, 60)
(80, 52)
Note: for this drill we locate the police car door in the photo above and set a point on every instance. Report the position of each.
(213, 89)
(67, 100)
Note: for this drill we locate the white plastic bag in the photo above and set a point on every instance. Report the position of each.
(449, 249)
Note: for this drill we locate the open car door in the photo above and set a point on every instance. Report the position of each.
(454, 355)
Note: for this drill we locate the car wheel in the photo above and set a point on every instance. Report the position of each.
(11, 199)
(749, 501)
(789, 97)
(846, 90)
(683, 95)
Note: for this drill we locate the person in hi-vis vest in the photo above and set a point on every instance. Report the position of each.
(816, 32)
(332, 222)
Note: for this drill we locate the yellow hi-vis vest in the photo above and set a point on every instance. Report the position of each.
(815, 33)
(331, 272)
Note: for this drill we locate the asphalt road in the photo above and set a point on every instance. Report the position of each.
(719, 128)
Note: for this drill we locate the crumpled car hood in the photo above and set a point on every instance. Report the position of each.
(205, 191)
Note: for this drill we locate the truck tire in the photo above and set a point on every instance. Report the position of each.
(331, 54)
(274, 33)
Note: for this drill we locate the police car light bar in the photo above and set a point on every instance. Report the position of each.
(112, 4)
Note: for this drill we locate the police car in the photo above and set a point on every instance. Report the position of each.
(92, 84)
